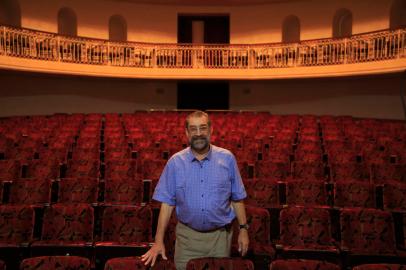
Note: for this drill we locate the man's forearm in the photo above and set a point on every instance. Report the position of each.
(239, 209)
(163, 220)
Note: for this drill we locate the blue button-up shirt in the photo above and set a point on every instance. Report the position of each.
(201, 190)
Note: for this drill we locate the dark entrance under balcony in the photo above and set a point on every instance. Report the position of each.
(203, 95)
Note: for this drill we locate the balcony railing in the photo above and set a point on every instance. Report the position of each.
(375, 46)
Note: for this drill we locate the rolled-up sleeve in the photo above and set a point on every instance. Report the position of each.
(237, 187)
(165, 190)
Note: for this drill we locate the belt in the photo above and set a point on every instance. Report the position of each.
(227, 227)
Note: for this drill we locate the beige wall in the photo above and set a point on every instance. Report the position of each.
(31, 94)
(377, 96)
(249, 24)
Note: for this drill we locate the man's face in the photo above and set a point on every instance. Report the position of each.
(198, 133)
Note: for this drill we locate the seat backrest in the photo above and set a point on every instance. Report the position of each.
(259, 221)
(16, 224)
(367, 231)
(123, 191)
(294, 264)
(55, 262)
(301, 226)
(30, 191)
(306, 193)
(354, 194)
(349, 171)
(78, 190)
(68, 222)
(131, 263)
(381, 266)
(262, 193)
(394, 198)
(127, 224)
(272, 170)
(219, 264)
(9, 170)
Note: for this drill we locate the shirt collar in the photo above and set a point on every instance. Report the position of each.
(193, 158)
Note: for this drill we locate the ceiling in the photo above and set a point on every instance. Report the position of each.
(209, 2)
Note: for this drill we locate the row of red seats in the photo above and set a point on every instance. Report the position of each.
(266, 193)
(126, 230)
(129, 263)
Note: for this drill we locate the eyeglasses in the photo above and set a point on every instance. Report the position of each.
(196, 130)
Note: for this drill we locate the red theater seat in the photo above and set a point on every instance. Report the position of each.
(219, 264)
(78, 190)
(67, 228)
(132, 263)
(261, 251)
(367, 235)
(126, 231)
(382, 266)
(296, 264)
(354, 194)
(306, 193)
(123, 191)
(16, 232)
(30, 191)
(56, 263)
(306, 231)
(262, 193)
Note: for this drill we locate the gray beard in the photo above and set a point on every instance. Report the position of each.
(199, 143)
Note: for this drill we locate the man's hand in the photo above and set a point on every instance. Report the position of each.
(243, 242)
(151, 255)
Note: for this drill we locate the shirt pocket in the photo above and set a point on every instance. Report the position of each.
(180, 192)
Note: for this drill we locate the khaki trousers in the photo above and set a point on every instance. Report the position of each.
(191, 244)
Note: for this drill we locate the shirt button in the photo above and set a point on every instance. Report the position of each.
(201, 181)
(202, 195)
(202, 209)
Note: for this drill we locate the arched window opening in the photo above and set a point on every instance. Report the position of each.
(291, 29)
(397, 14)
(10, 13)
(117, 28)
(67, 22)
(342, 23)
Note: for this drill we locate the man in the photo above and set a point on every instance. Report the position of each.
(204, 184)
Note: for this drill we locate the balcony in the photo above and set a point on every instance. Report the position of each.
(369, 53)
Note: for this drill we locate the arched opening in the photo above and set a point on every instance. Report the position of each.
(67, 22)
(291, 29)
(117, 28)
(10, 13)
(397, 14)
(342, 23)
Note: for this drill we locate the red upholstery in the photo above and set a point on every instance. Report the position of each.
(380, 267)
(259, 222)
(306, 192)
(123, 191)
(306, 229)
(262, 193)
(16, 225)
(67, 225)
(78, 190)
(219, 264)
(55, 263)
(367, 232)
(295, 264)
(135, 263)
(126, 225)
(30, 191)
(354, 194)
